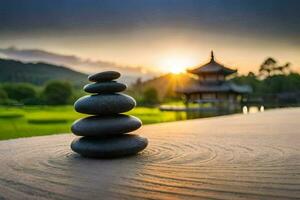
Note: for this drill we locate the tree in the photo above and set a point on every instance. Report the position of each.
(270, 67)
(150, 96)
(284, 69)
(267, 67)
(3, 95)
(57, 93)
(251, 74)
(20, 91)
(250, 80)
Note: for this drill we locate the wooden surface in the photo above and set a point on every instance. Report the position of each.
(253, 156)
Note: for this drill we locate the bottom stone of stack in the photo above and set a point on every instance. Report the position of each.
(119, 146)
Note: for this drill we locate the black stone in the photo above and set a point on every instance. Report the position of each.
(104, 104)
(123, 145)
(103, 126)
(105, 87)
(104, 76)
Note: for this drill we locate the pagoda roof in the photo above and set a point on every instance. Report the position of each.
(224, 87)
(212, 67)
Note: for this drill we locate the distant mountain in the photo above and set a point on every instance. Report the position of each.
(75, 63)
(38, 73)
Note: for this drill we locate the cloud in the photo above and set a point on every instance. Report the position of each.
(268, 17)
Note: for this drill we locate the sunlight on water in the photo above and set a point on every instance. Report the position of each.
(245, 109)
(253, 109)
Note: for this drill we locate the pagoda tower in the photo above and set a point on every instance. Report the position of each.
(211, 86)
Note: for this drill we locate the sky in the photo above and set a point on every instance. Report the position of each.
(161, 35)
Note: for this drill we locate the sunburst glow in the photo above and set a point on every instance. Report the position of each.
(176, 65)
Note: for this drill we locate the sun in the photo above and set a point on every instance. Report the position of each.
(176, 64)
(177, 69)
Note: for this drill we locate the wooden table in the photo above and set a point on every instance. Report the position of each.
(254, 156)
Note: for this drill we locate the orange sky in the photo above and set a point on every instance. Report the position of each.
(158, 34)
(161, 49)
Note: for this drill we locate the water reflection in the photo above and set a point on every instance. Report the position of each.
(245, 109)
(183, 115)
(253, 109)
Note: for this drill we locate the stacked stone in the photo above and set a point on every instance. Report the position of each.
(104, 135)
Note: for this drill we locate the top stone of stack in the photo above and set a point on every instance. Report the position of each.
(104, 76)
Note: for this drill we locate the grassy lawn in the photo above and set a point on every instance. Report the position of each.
(29, 121)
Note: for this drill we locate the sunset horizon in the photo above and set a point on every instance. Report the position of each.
(157, 37)
(169, 64)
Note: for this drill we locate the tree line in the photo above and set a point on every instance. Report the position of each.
(56, 93)
(274, 84)
(53, 93)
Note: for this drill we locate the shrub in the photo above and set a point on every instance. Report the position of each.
(57, 93)
(3, 96)
(10, 115)
(19, 91)
(150, 96)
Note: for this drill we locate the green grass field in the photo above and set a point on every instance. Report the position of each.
(30, 121)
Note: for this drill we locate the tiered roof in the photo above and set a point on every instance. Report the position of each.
(222, 88)
(212, 67)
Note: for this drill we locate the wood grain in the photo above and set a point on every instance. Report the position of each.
(253, 156)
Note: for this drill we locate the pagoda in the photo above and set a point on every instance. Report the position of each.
(212, 87)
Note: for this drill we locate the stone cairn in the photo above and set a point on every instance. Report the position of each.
(105, 133)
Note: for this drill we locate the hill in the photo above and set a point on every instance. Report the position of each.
(37, 73)
(77, 63)
(165, 85)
